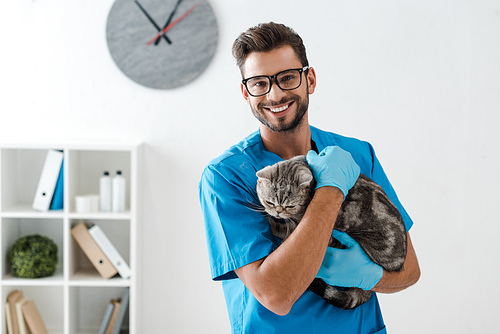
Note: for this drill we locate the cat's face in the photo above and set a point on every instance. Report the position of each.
(285, 188)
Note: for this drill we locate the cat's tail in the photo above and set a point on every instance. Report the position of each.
(345, 299)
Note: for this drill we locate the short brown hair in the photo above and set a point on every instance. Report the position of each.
(266, 37)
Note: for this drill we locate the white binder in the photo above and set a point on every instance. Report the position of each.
(110, 251)
(48, 180)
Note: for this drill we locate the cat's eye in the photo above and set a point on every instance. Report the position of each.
(270, 203)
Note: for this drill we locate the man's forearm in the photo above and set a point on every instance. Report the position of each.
(396, 281)
(281, 278)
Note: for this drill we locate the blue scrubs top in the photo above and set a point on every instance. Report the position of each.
(238, 235)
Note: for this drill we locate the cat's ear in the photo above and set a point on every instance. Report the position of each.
(300, 158)
(305, 178)
(263, 184)
(264, 173)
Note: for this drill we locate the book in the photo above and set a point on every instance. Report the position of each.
(94, 253)
(33, 318)
(20, 318)
(48, 180)
(12, 299)
(106, 318)
(122, 311)
(110, 251)
(58, 198)
(8, 318)
(114, 315)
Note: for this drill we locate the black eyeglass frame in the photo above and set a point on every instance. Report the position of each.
(275, 77)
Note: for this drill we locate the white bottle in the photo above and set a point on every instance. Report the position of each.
(105, 192)
(118, 189)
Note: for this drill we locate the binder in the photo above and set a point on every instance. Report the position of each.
(20, 318)
(33, 318)
(58, 198)
(82, 236)
(8, 318)
(106, 318)
(48, 180)
(122, 311)
(12, 299)
(110, 251)
(114, 315)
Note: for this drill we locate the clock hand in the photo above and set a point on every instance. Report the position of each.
(169, 19)
(171, 25)
(152, 21)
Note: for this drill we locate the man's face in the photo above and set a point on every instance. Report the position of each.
(278, 110)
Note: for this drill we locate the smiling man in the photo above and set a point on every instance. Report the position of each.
(275, 105)
(265, 280)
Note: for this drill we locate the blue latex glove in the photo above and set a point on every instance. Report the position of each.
(333, 167)
(349, 267)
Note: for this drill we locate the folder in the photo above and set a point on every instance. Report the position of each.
(12, 299)
(110, 251)
(82, 236)
(114, 315)
(20, 318)
(8, 318)
(122, 311)
(48, 180)
(58, 198)
(106, 318)
(33, 318)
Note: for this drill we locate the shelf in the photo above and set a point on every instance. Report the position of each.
(89, 277)
(26, 211)
(100, 215)
(20, 173)
(13, 228)
(74, 299)
(83, 319)
(49, 301)
(55, 280)
(86, 165)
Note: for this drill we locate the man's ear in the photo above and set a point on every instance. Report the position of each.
(244, 92)
(311, 80)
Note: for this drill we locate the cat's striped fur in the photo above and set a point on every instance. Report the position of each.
(367, 215)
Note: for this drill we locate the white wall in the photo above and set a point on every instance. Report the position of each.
(419, 80)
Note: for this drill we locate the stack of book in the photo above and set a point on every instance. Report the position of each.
(100, 251)
(115, 314)
(22, 315)
(49, 193)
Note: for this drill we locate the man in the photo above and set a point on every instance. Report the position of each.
(265, 280)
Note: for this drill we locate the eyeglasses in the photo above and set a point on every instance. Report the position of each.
(286, 80)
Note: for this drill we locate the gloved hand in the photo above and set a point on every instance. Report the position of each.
(349, 267)
(333, 167)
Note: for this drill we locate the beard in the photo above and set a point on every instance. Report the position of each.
(282, 125)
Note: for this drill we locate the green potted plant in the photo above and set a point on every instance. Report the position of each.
(33, 256)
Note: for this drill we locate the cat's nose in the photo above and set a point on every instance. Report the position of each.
(279, 209)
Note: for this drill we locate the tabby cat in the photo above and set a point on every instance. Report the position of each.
(367, 215)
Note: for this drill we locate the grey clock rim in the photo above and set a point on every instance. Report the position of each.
(154, 79)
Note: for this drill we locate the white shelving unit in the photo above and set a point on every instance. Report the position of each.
(74, 299)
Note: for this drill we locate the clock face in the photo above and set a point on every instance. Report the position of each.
(162, 43)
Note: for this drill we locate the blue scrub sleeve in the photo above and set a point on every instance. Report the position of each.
(378, 175)
(237, 234)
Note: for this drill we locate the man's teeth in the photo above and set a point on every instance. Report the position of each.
(276, 110)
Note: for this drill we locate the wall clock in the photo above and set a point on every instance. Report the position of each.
(162, 43)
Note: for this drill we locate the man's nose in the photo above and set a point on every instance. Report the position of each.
(275, 93)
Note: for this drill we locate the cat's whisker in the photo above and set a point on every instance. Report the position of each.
(255, 207)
